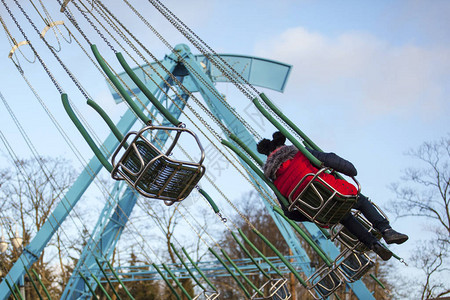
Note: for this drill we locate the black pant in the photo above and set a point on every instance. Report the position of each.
(350, 222)
(372, 215)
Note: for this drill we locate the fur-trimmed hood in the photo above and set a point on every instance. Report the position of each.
(276, 159)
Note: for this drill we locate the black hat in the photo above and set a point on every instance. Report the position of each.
(266, 146)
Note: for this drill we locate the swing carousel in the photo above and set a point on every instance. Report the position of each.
(140, 155)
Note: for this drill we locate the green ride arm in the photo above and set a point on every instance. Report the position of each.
(119, 87)
(107, 279)
(306, 237)
(259, 252)
(240, 273)
(231, 272)
(120, 281)
(101, 287)
(257, 171)
(42, 284)
(378, 281)
(13, 292)
(18, 291)
(89, 286)
(33, 283)
(167, 282)
(177, 282)
(283, 259)
(210, 200)
(145, 90)
(107, 119)
(199, 270)
(85, 134)
(294, 141)
(247, 149)
(288, 121)
(249, 255)
(185, 266)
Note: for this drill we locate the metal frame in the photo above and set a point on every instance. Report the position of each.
(351, 273)
(121, 172)
(316, 282)
(276, 285)
(298, 203)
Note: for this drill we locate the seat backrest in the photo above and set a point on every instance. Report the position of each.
(320, 202)
(155, 175)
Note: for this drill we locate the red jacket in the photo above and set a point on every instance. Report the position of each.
(293, 170)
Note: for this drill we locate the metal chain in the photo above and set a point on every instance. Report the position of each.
(222, 69)
(161, 77)
(72, 77)
(31, 46)
(234, 72)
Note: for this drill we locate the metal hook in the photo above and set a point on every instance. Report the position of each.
(224, 220)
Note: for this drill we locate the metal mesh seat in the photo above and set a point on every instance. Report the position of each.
(275, 289)
(319, 201)
(324, 282)
(355, 265)
(152, 173)
(342, 234)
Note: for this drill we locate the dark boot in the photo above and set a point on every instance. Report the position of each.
(391, 236)
(382, 251)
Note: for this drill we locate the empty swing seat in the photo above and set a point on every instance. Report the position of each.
(324, 282)
(355, 265)
(319, 201)
(151, 172)
(274, 289)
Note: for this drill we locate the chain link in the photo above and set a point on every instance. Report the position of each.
(214, 62)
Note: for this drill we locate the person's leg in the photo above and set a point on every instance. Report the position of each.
(379, 221)
(371, 213)
(364, 236)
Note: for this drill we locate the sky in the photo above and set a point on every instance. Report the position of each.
(369, 80)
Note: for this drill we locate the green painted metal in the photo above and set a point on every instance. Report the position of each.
(13, 292)
(107, 279)
(249, 255)
(210, 200)
(305, 236)
(85, 134)
(177, 282)
(198, 270)
(283, 130)
(256, 170)
(289, 122)
(246, 149)
(259, 252)
(186, 267)
(99, 284)
(33, 283)
(18, 291)
(145, 90)
(378, 281)
(120, 281)
(89, 286)
(107, 119)
(119, 87)
(255, 288)
(41, 284)
(231, 272)
(281, 256)
(167, 281)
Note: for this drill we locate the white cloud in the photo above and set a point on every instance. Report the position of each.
(385, 78)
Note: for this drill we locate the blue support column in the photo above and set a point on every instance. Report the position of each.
(32, 251)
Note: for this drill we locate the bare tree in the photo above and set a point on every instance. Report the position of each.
(424, 192)
(33, 189)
